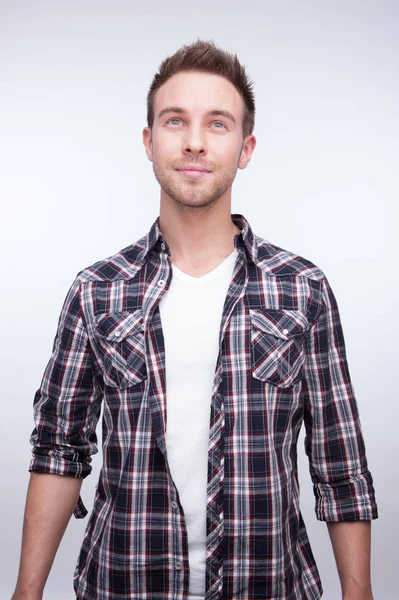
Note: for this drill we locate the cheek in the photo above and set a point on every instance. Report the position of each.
(230, 159)
(165, 149)
(228, 152)
(161, 154)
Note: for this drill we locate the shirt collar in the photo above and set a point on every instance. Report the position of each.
(245, 239)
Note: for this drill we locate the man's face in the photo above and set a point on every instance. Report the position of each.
(197, 122)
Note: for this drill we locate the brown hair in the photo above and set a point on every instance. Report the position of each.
(208, 58)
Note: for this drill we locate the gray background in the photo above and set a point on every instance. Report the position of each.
(76, 187)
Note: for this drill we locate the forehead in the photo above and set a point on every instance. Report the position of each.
(196, 91)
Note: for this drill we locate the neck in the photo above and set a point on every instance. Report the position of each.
(198, 236)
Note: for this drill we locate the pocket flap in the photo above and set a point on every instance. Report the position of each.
(117, 326)
(283, 324)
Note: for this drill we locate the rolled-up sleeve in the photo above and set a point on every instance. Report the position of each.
(67, 405)
(343, 485)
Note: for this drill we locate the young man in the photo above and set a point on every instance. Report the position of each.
(207, 347)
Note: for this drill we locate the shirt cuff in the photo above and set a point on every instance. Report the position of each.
(349, 500)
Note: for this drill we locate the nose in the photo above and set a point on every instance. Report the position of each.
(194, 141)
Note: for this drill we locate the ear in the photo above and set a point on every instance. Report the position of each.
(246, 152)
(147, 141)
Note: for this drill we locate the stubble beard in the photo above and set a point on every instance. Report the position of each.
(193, 193)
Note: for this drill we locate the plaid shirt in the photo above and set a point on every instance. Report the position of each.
(281, 362)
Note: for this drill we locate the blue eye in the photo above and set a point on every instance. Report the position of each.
(170, 121)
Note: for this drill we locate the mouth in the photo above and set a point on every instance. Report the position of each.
(193, 174)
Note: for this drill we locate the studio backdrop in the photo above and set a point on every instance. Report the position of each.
(76, 187)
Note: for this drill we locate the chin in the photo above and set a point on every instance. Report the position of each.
(195, 203)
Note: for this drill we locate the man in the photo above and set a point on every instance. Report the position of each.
(207, 348)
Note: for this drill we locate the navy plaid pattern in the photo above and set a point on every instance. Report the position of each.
(281, 363)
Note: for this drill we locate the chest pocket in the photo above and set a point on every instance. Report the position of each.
(120, 338)
(277, 345)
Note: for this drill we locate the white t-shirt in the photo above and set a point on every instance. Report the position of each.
(191, 314)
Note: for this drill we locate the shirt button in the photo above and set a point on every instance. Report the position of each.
(178, 566)
(163, 246)
(117, 333)
(174, 504)
(285, 331)
(161, 282)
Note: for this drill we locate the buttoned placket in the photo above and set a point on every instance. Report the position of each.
(214, 509)
(152, 298)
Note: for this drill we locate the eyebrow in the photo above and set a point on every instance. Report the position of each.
(214, 113)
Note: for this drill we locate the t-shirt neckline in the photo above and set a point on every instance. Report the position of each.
(226, 263)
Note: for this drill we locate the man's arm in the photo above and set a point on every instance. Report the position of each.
(343, 485)
(351, 544)
(66, 410)
(50, 502)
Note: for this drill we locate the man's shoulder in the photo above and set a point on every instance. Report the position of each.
(124, 264)
(276, 261)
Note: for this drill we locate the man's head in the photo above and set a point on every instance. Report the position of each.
(200, 112)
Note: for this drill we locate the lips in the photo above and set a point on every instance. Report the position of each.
(193, 172)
